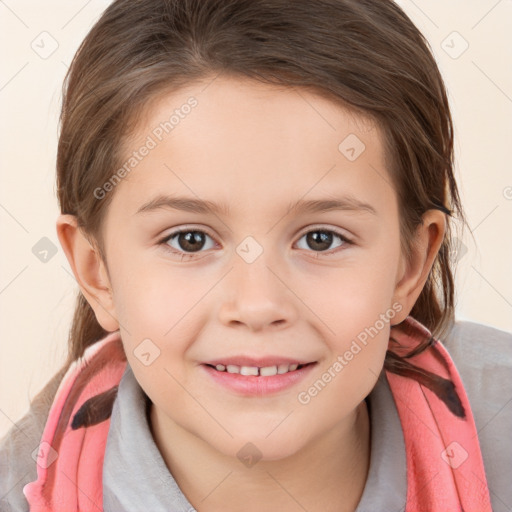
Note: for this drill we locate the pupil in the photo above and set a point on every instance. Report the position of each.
(193, 239)
(323, 238)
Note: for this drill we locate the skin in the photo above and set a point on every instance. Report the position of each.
(257, 148)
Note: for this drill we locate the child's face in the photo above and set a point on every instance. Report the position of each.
(257, 285)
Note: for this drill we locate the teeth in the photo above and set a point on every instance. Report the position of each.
(248, 370)
(267, 371)
(282, 368)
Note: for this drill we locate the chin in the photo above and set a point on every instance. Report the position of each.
(251, 449)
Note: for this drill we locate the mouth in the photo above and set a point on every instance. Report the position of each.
(258, 381)
(259, 371)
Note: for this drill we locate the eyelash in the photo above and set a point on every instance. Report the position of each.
(185, 255)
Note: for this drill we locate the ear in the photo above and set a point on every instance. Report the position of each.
(89, 269)
(413, 274)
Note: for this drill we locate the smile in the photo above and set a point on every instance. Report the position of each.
(266, 371)
(257, 380)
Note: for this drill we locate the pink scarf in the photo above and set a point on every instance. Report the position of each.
(445, 470)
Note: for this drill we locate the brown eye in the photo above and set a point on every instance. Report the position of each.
(190, 240)
(186, 241)
(320, 240)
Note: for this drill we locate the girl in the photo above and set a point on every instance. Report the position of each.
(256, 202)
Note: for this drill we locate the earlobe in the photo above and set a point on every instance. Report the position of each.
(89, 271)
(413, 274)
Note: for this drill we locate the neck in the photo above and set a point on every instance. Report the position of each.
(328, 474)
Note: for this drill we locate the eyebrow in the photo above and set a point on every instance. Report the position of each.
(189, 204)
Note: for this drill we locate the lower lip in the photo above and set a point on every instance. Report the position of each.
(258, 385)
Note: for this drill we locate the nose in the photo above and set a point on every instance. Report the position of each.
(258, 296)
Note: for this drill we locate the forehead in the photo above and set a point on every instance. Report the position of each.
(236, 140)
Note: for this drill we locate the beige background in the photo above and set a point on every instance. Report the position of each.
(36, 297)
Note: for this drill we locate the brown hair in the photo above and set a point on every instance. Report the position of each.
(364, 54)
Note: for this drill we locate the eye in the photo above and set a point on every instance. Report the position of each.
(321, 239)
(188, 242)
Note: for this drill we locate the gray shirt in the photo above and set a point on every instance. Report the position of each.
(135, 476)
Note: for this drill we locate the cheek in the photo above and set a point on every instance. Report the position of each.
(350, 300)
(150, 295)
(350, 373)
(356, 318)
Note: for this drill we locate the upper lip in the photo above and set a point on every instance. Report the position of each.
(260, 362)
